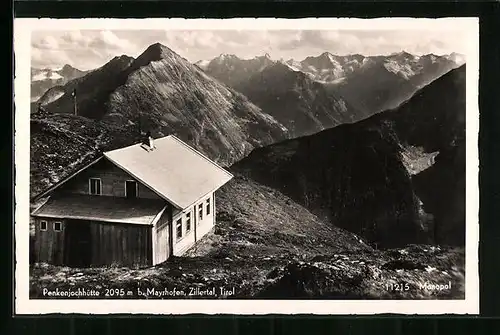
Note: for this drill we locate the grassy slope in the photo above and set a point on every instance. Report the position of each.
(265, 245)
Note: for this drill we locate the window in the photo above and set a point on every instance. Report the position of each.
(95, 186)
(43, 225)
(200, 211)
(57, 226)
(188, 222)
(208, 206)
(131, 189)
(179, 228)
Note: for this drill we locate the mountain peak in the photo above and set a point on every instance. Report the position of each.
(156, 52)
(326, 54)
(456, 57)
(324, 61)
(430, 55)
(68, 67)
(153, 53)
(123, 59)
(224, 56)
(264, 60)
(403, 55)
(327, 57)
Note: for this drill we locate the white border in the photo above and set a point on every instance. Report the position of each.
(22, 36)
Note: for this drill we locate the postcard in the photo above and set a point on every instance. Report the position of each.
(246, 166)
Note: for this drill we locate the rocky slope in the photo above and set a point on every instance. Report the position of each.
(434, 120)
(62, 143)
(352, 87)
(232, 70)
(357, 177)
(302, 105)
(376, 83)
(288, 254)
(44, 79)
(92, 90)
(162, 92)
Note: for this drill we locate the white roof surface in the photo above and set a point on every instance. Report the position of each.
(175, 171)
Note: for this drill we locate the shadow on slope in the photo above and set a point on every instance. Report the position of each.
(355, 176)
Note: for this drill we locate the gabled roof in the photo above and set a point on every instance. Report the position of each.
(64, 180)
(103, 209)
(175, 171)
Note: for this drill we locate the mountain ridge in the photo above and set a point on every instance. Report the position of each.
(43, 79)
(356, 175)
(376, 83)
(302, 105)
(161, 92)
(369, 83)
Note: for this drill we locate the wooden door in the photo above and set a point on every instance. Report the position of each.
(163, 244)
(78, 243)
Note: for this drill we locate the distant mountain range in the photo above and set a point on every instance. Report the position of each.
(302, 105)
(232, 70)
(369, 84)
(362, 177)
(163, 93)
(46, 78)
(314, 94)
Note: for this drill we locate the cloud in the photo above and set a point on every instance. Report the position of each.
(372, 42)
(83, 49)
(46, 43)
(42, 58)
(92, 48)
(109, 41)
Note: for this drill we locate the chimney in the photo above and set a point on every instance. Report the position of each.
(151, 142)
(148, 141)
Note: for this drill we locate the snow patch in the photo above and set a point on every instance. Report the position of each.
(338, 80)
(52, 97)
(203, 64)
(402, 69)
(46, 75)
(55, 76)
(291, 67)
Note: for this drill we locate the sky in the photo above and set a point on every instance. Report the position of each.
(89, 49)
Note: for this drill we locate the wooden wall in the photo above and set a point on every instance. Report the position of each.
(49, 244)
(120, 244)
(162, 237)
(112, 181)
